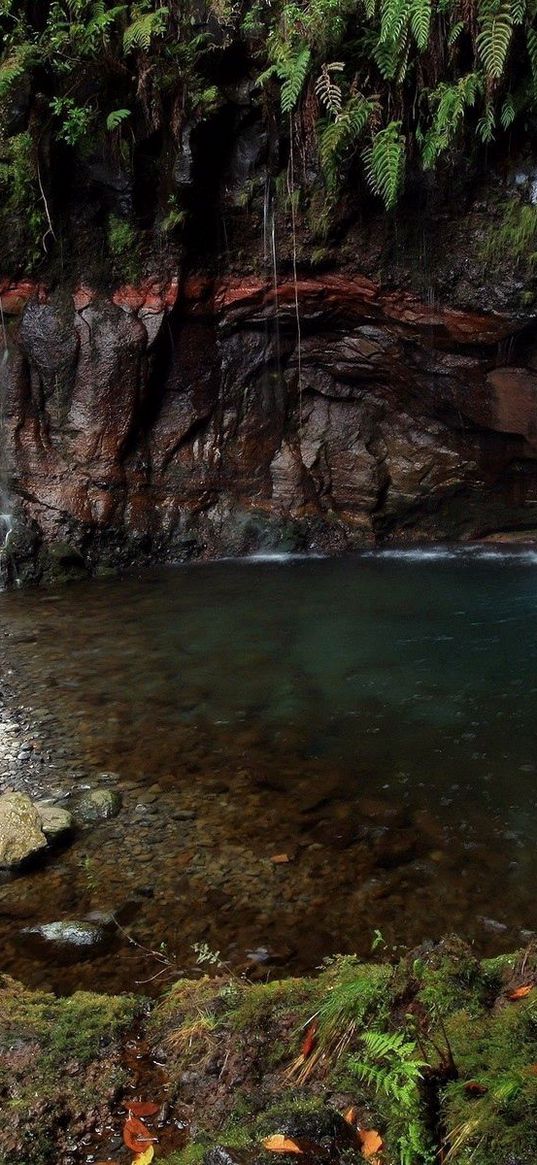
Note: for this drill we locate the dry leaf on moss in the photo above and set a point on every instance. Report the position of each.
(370, 1143)
(520, 992)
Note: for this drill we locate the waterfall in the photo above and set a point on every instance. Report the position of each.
(6, 515)
(270, 259)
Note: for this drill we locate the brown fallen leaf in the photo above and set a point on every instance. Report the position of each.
(136, 1135)
(532, 1068)
(309, 1039)
(278, 1143)
(520, 992)
(143, 1108)
(474, 1088)
(370, 1142)
(280, 859)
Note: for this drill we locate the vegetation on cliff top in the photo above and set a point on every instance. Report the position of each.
(356, 91)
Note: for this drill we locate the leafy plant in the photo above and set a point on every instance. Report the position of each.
(385, 163)
(116, 118)
(390, 1064)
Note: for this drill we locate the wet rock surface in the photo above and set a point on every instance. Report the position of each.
(218, 432)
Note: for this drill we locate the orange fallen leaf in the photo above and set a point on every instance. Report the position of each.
(309, 1039)
(351, 1116)
(281, 1144)
(533, 1069)
(370, 1142)
(136, 1135)
(143, 1108)
(280, 859)
(521, 992)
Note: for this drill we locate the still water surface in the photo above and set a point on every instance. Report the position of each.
(373, 719)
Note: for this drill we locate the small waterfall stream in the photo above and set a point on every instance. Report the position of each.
(6, 515)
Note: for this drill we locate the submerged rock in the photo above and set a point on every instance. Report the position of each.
(21, 833)
(70, 936)
(97, 805)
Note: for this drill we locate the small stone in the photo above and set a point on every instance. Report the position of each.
(54, 821)
(81, 937)
(97, 805)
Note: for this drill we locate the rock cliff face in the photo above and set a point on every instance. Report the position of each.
(232, 415)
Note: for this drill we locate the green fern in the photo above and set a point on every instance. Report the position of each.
(508, 112)
(486, 125)
(391, 1066)
(455, 33)
(420, 22)
(144, 29)
(494, 39)
(394, 17)
(116, 117)
(336, 138)
(518, 11)
(385, 163)
(293, 78)
(449, 104)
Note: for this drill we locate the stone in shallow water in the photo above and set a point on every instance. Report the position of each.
(55, 821)
(21, 834)
(97, 805)
(69, 938)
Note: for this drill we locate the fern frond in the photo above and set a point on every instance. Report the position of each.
(508, 112)
(337, 137)
(493, 41)
(455, 32)
(386, 57)
(486, 125)
(116, 117)
(420, 22)
(327, 90)
(293, 76)
(517, 10)
(394, 16)
(141, 32)
(385, 163)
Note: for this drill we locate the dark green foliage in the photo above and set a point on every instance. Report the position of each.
(370, 88)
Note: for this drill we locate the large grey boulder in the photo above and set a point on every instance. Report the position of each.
(21, 833)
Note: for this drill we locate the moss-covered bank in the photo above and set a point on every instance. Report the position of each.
(439, 1054)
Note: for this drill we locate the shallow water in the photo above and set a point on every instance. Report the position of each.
(373, 719)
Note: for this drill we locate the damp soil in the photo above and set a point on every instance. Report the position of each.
(369, 722)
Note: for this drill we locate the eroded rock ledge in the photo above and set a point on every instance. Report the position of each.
(191, 419)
